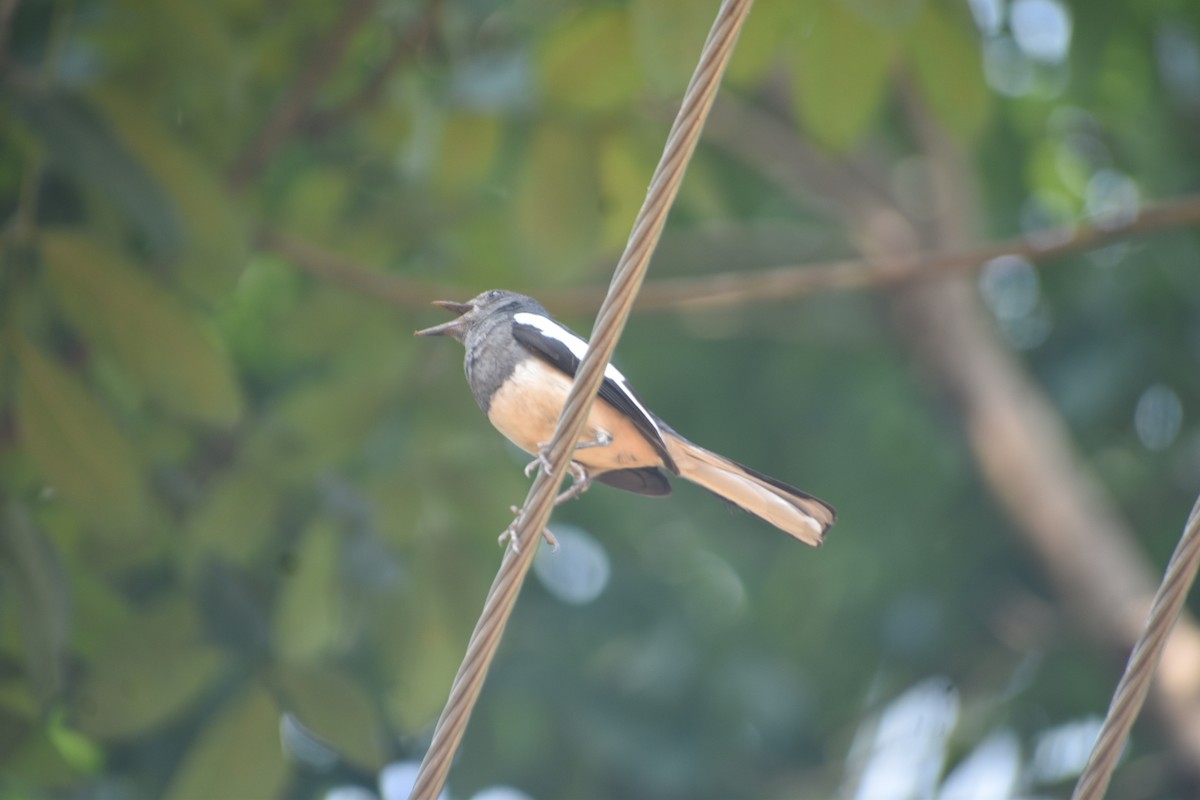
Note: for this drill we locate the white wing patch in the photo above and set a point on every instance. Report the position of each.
(579, 349)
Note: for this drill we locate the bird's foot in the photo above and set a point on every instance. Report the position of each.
(581, 481)
(603, 439)
(541, 462)
(509, 537)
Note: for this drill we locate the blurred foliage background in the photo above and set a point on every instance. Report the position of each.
(248, 521)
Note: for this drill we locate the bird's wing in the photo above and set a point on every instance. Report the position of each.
(561, 348)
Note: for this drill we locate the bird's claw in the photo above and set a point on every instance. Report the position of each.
(509, 538)
(602, 439)
(581, 481)
(542, 461)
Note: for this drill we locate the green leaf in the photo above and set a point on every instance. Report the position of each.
(81, 139)
(79, 751)
(75, 445)
(215, 233)
(37, 760)
(335, 708)
(1051, 168)
(624, 173)
(558, 207)
(669, 35)
(421, 658)
(758, 46)
(98, 608)
(588, 64)
(33, 573)
(249, 320)
(839, 71)
(237, 755)
(316, 201)
(326, 422)
(308, 619)
(152, 668)
(467, 150)
(332, 326)
(944, 52)
(149, 333)
(238, 515)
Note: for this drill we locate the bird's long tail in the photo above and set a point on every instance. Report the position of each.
(785, 507)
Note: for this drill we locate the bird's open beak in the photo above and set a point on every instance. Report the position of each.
(452, 328)
(458, 308)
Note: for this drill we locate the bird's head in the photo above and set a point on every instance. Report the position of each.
(470, 312)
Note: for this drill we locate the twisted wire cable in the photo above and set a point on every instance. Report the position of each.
(1143, 661)
(627, 280)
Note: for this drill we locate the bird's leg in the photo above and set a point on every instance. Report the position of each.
(509, 537)
(541, 462)
(581, 481)
(603, 439)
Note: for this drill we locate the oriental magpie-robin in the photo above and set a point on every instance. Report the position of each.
(520, 364)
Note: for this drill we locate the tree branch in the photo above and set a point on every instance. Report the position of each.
(1026, 455)
(351, 275)
(889, 269)
(895, 268)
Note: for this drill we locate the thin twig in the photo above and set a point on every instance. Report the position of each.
(347, 274)
(296, 101)
(777, 284)
(780, 283)
(627, 279)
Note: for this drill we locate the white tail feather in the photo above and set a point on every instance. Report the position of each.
(785, 507)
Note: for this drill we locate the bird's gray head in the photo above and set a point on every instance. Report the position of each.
(477, 309)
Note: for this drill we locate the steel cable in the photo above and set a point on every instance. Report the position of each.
(627, 280)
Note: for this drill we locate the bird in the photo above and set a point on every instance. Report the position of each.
(520, 364)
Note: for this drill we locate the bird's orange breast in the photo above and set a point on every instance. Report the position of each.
(526, 410)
